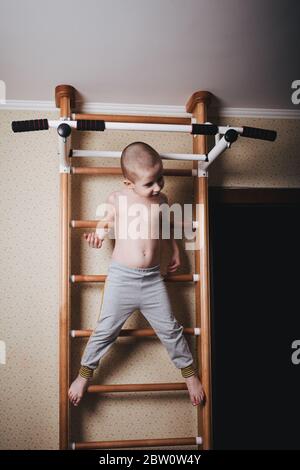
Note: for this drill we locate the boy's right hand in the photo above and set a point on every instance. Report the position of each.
(93, 240)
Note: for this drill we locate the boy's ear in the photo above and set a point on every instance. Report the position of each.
(128, 183)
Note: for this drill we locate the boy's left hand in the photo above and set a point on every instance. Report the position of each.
(174, 263)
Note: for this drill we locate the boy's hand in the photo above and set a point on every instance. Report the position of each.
(93, 240)
(174, 262)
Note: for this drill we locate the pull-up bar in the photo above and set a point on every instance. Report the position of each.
(164, 156)
(64, 129)
(97, 125)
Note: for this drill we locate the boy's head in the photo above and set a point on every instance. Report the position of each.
(142, 169)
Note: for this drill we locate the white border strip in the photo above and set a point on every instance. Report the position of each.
(154, 110)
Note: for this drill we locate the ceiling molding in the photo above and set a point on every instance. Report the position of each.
(262, 113)
(152, 110)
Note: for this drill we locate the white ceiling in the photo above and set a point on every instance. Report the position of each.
(246, 52)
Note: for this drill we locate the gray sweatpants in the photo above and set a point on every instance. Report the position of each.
(126, 290)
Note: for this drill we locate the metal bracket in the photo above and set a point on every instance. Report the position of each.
(64, 145)
(64, 169)
(200, 172)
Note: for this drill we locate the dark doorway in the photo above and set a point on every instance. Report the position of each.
(255, 285)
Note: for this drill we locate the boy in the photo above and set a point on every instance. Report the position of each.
(134, 280)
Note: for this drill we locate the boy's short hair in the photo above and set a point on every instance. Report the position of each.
(136, 157)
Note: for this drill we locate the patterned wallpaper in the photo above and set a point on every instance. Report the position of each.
(29, 282)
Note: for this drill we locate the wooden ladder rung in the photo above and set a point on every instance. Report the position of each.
(132, 332)
(152, 387)
(176, 441)
(99, 223)
(134, 118)
(90, 224)
(102, 277)
(105, 170)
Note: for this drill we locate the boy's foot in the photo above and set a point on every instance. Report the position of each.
(77, 390)
(195, 390)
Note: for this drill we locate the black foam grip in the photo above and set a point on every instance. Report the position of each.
(204, 129)
(32, 125)
(90, 125)
(256, 133)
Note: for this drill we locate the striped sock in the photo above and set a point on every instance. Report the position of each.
(188, 371)
(86, 372)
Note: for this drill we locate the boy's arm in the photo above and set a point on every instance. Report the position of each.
(173, 243)
(175, 256)
(107, 212)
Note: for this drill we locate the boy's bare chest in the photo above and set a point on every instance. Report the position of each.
(140, 216)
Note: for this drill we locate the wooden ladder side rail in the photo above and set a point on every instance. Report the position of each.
(65, 98)
(197, 105)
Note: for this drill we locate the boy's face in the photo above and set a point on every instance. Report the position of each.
(149, 183)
